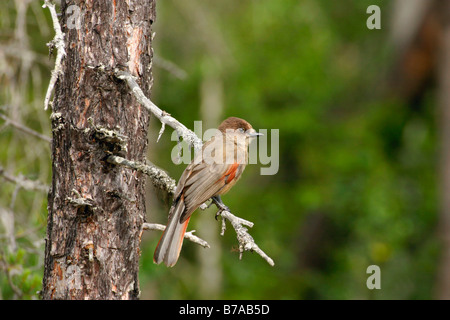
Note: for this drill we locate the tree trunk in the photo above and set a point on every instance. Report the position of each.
(96, 210)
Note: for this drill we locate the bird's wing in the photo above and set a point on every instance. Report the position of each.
(204, 179)
(205, 183)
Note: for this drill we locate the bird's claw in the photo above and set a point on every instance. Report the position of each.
(222, 207)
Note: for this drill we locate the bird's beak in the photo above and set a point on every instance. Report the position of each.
(252, 133)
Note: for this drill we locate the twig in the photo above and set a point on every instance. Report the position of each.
(163, 116)
(188, 235)
(25, 129)
(58, 42)
(246, 242)
(80, 201)
(170, 67)
(163, 127)
(109, 136)
(159, 177)
(7, 219)
(24, 182)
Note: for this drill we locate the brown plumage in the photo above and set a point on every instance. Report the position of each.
(211, 173)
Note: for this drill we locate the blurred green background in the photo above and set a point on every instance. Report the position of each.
(357, 180)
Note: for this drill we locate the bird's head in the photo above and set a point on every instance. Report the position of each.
(239, 126)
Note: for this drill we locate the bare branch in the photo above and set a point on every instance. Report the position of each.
(246, 242)
(188, 235)
(24, 182)
(170, 67)
(110, 136)
(163, 116)
(80, 201)
(159, 177)
(7, 219)
(163, 127)
(57, 42)
(25, 129)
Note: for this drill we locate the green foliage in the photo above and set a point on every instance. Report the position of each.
(20, 279)
(357, 178)
(356, 184)
(24, 74)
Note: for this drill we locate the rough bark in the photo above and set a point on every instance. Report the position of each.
(96, 209)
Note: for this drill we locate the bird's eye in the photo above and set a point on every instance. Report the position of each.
(241, 130)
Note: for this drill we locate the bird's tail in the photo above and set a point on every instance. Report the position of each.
(169, 246)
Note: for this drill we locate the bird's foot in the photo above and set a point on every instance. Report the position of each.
(222, 207)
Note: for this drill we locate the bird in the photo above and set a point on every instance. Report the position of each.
(212, 173)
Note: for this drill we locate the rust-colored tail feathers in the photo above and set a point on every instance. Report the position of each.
(169, 246)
